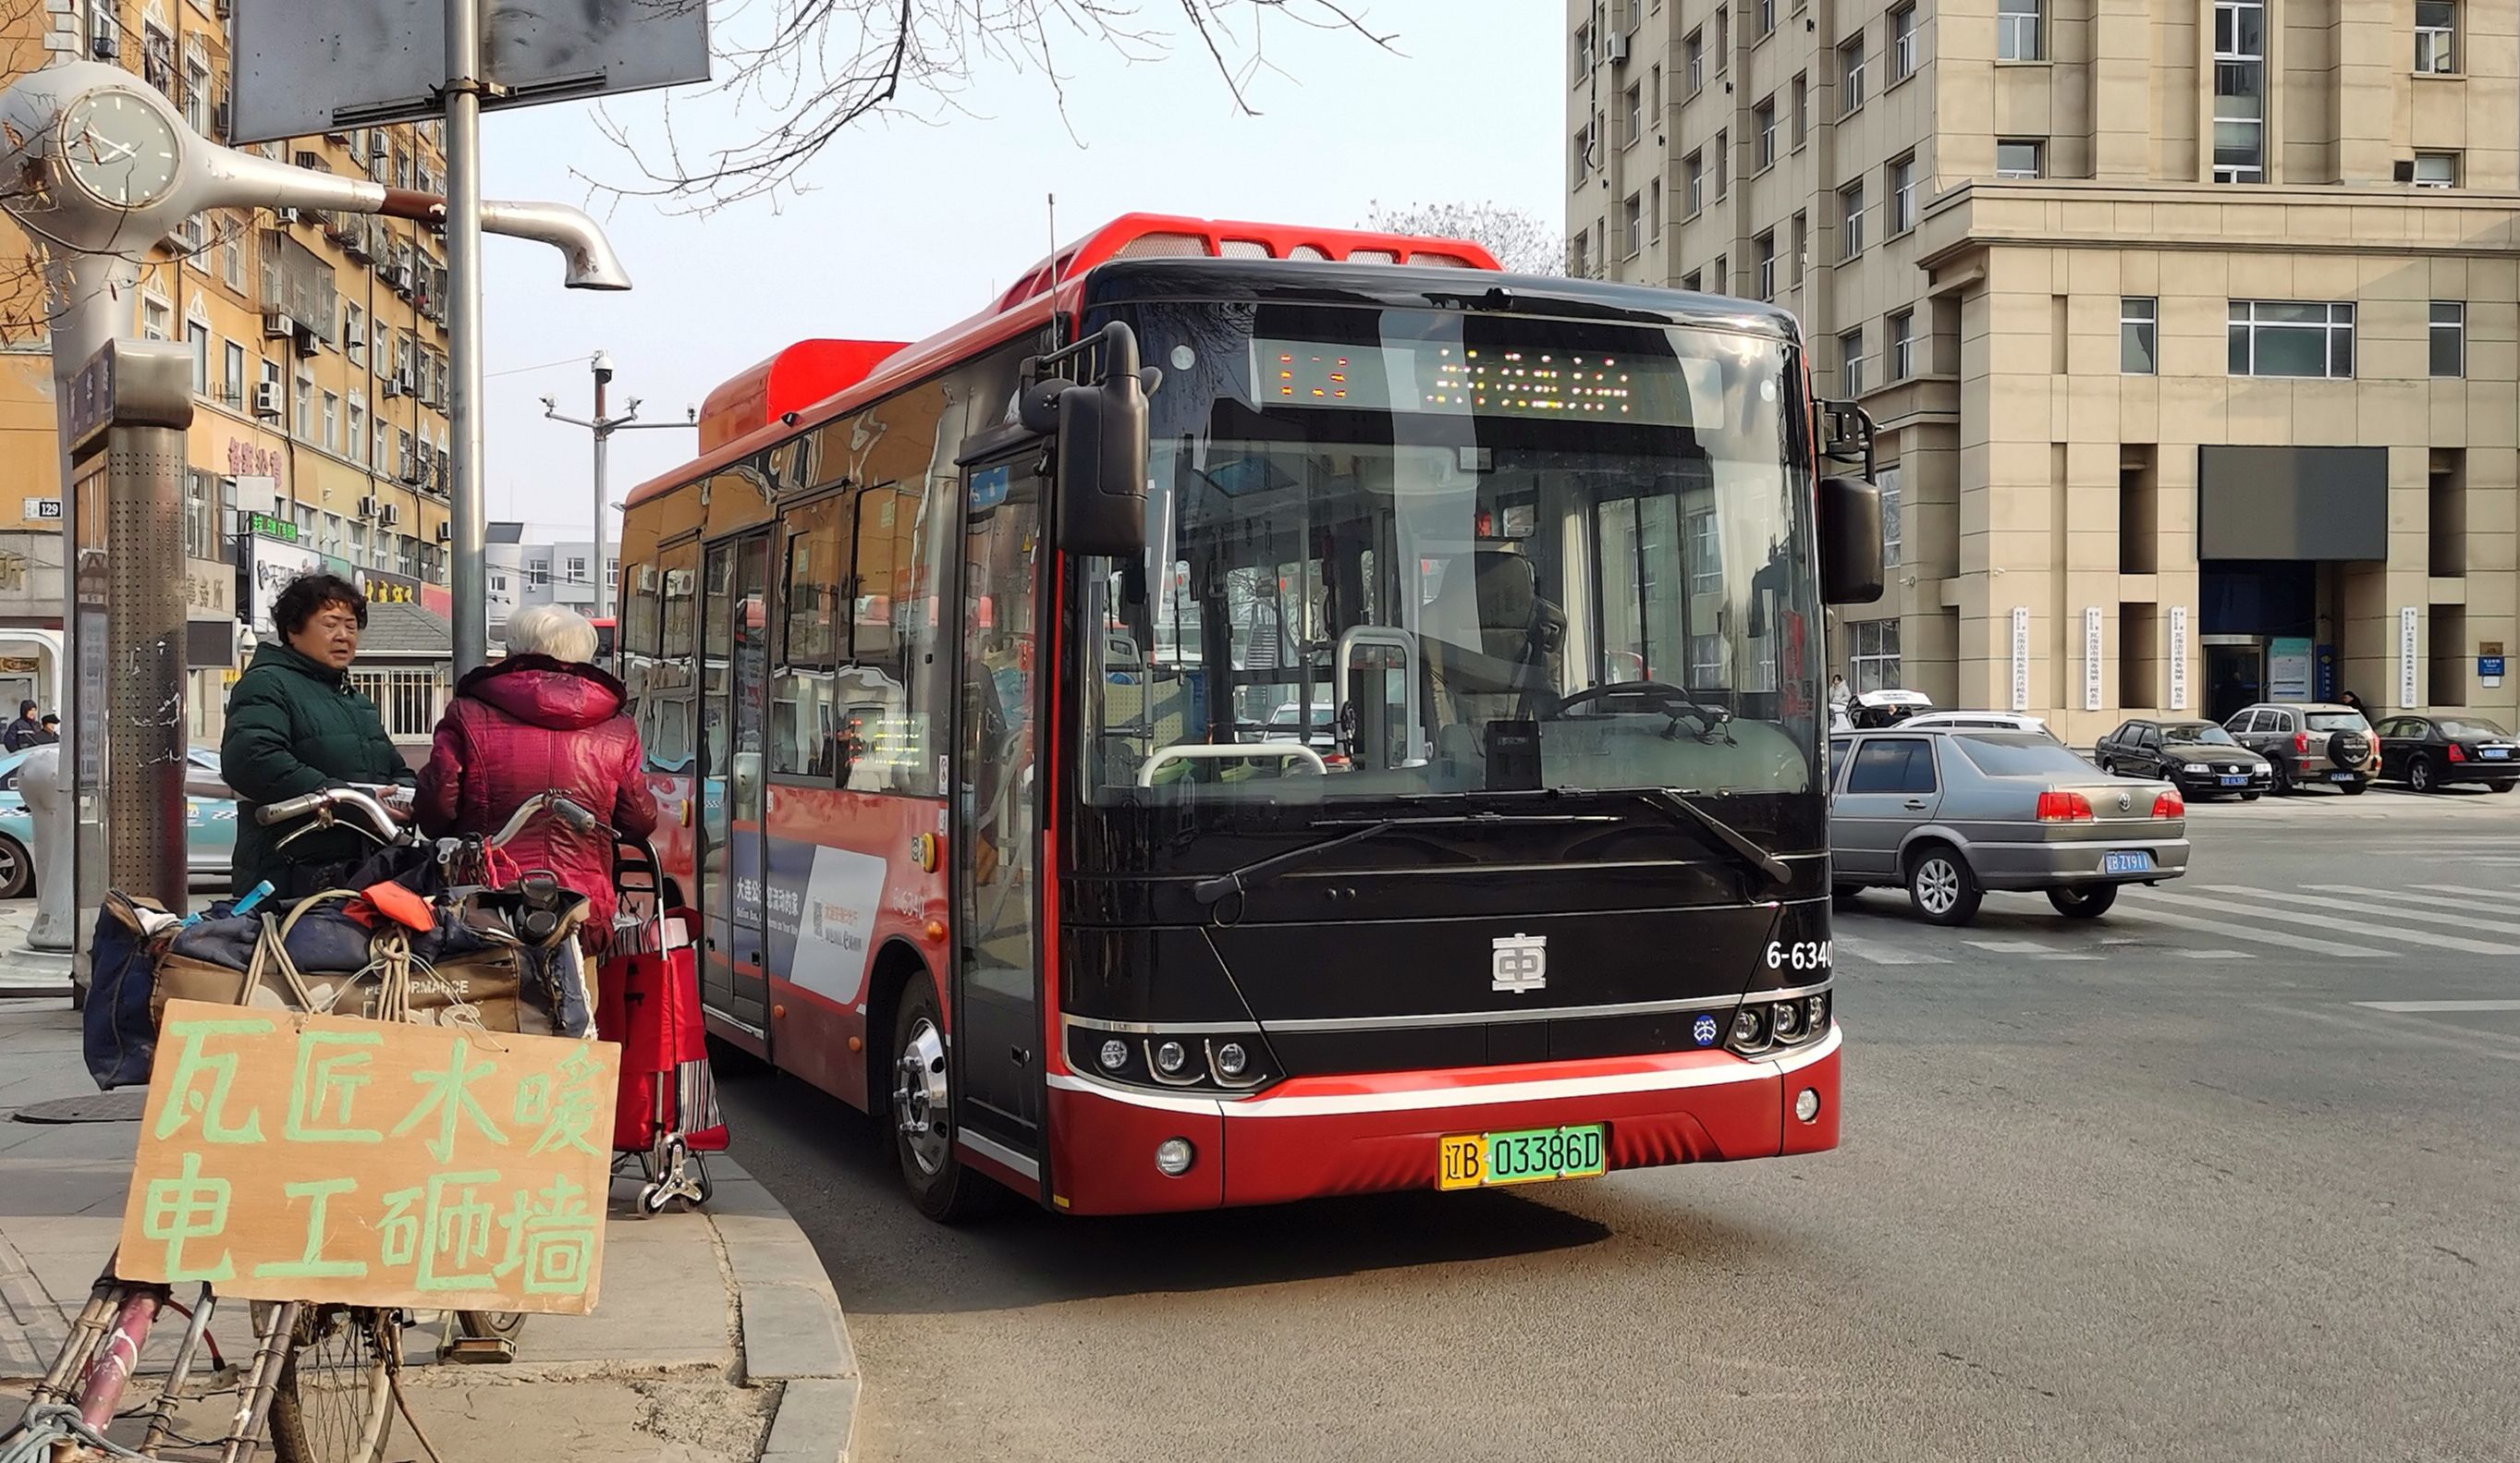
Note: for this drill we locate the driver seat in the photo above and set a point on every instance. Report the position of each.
(1521, 637)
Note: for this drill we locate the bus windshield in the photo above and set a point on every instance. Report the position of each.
(1397, 553)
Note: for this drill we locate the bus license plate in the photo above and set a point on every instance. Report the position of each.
(2131, 861)
(1536, 1155)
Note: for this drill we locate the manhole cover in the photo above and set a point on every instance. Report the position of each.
(122, 1106)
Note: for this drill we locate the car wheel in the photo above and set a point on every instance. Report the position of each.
(2420, 774)
(2353, 789)
(2108, 767)
(2248, 797)
(2282, 785)
(16, 870)
(2084, 904)
(2506, 786)
(1941, 887)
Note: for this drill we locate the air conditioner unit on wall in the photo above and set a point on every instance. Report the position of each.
(389, 516)
(446, 533)
(368, 508)
(1614, 49)
(266, 399)
(277, 326)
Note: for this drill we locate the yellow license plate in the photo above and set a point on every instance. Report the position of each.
(1532, 1155)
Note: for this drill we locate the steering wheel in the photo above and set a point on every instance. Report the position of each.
(1658, 694)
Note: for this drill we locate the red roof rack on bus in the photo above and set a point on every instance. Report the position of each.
(792, 381)
(1164, 235)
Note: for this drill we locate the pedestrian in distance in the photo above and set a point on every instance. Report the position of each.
(543, 720)
(24, 733)
(297, 724)
(51, 731)
(1838, 692)
(2355, 701)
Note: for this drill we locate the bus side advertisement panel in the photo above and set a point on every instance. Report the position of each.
(843, 885)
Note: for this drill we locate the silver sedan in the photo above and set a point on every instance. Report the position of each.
(1950, 814)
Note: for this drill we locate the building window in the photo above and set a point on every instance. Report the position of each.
(1903, 346)
(1706, 661)
(232, 387)
(1653, 212)
(1902, 44)
(301, 420)
(2450, 337)
(197, 89)
(1632, 225)
(1849, 212)
(578, 570)
(331, 422)
(1582, 54)
(1763, 120)
(2020, 157)
(1705, 554)
(2288, 337)
(1689, 282)
(1849, 360)
(2138, 334)
(354, 334)
(2436, 170)
(1692, 180)
(197, 335)
(2239, 91)
(1850, 73)
(1653, 101)
(358, 431)
(1723, 163)
(1902, 194)
(2436, 35)
(1767, 18)
(1721, 272)
(1633, 114)
(1723, 39)
(1887, 480)
(537, 573)
(1766, 243)
(1579, 264)
(154, 319)
(1581, 165)
(1802, 109)
(2016, 30)
(1874, 665)
(1693, 60)
(1802, 248)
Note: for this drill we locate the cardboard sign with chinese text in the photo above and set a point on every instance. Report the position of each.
(320, 1157)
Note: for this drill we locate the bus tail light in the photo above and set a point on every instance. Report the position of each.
(2169, 805)
(2056, 806)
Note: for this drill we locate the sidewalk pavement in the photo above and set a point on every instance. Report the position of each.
(717, 1336)
(24, 969)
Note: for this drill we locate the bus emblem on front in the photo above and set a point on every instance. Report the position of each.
(1520, 963)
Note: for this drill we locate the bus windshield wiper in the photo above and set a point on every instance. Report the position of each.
(1211, 890)
(1683, 801)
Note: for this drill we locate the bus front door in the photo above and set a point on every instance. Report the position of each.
(735, 661)
(997, 992)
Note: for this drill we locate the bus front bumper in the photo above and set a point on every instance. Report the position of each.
(1310, 1137)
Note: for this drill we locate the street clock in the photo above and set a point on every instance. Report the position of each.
(121, 150)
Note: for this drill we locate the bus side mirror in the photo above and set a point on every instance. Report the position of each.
(1102, 452)
(1850, 541)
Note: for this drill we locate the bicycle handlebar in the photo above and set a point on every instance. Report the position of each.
(558, 805)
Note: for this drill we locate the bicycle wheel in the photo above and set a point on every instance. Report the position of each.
(334, 1403)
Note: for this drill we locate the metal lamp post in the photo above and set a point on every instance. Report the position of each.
(603, 427)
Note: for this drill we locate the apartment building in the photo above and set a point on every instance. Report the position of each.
(2191, 332)
(535, 564)
(319, 360)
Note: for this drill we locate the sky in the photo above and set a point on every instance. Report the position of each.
(910, 225)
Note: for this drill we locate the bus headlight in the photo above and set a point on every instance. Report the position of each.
(1749, 1030)
(1114, 1055)
(1788, 1020)
(1230, 1060)
(1174, 1156)
(1169, 1058)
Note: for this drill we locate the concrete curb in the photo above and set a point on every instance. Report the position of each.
(794, 1333)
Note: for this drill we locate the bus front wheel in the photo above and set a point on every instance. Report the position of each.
(923, 1114)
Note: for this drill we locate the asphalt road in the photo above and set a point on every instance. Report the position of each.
(2159, 1186)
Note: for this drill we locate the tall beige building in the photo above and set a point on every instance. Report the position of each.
(2192, 331)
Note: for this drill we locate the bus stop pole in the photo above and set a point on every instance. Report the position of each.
(468, 580)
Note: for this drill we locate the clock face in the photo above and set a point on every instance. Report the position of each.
(119, 148)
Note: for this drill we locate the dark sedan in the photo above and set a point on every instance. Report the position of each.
(2429, 752)
(2200, 757)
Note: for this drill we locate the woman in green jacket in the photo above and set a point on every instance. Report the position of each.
(295, 726)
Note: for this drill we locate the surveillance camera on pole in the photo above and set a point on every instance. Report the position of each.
(603, 427)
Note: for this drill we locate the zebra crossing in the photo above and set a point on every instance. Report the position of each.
(2203, 921)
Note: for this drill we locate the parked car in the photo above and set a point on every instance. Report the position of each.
(210, 826)
(2200, 757)
(1977, 721)
(1952, 814)
(1887, 708)
(2427, 752)
(2310, 742)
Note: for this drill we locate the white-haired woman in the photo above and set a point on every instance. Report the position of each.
(543, 720)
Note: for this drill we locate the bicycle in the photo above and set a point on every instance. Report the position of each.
(320, 1387)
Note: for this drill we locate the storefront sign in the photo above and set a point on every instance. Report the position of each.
(2178, 657)
(2092, 658)
(210, 590)
(271, 527)
(251, 459)
(286, 1156)
(383, 588)
(264, 567)
(2020, 657)
(2488, 662)
(2409, 633)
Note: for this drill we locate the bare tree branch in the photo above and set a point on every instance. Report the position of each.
(1521, 241)
(794, 75)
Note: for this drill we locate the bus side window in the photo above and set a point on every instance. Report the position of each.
(808, 734)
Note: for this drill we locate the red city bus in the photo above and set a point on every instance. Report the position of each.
(1263, 712)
